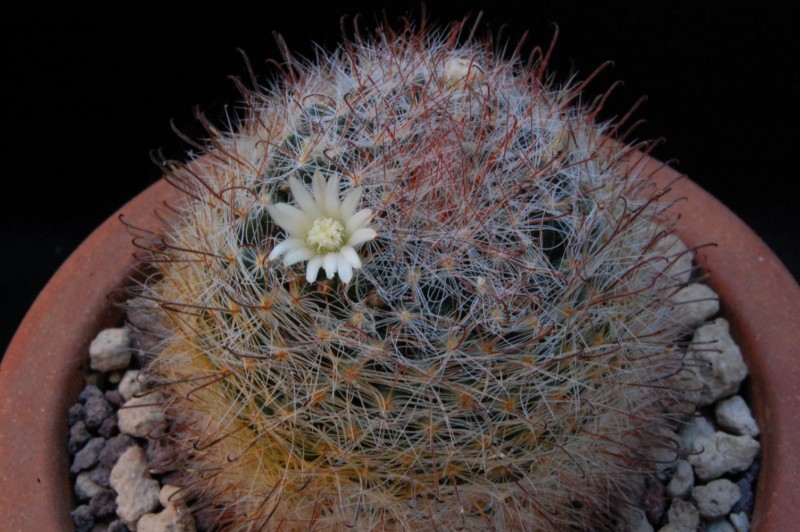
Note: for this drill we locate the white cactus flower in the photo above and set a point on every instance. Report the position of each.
(321, 229)
(457, 70)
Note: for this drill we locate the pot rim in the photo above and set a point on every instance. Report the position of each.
(760, 299)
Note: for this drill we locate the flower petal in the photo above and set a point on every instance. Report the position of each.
(350, 202)
(318, 186)
(296, 255)
(329, 262)
(360, 236)
(331, 201)
(313, 269)
(358, 220)
(350, 255)
(290, 218)
(304, 199)
(344, 269)
(286, 246)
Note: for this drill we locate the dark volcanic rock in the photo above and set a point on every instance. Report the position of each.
(87, 457)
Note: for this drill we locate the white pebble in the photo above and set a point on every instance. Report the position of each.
(141, 416)
(734, 415)
(722, 453)
(174, 518)
(129, 385)
(720, 525)
(740, 522)
(714, 366)
(716, 498)
(168, 520)
(682, 479)
(683, 515)
(694, 304)
(110, 350)
(137, 494)
(168, 496)
(678, 256)
(697, 427)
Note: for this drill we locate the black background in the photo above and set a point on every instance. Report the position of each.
(93, 90)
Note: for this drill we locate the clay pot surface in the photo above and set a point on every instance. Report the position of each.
(42, 372)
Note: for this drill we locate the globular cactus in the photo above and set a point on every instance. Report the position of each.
(415, 287)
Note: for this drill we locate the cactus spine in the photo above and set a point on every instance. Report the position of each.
(496, 357)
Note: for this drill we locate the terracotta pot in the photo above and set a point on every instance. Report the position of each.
(41, 374)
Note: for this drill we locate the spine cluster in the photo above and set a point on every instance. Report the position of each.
(494, 356)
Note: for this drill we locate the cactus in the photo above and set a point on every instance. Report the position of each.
(414, 286)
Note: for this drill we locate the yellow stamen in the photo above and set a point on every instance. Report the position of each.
(326, 235)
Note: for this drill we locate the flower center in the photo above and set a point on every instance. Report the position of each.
(326, 235)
